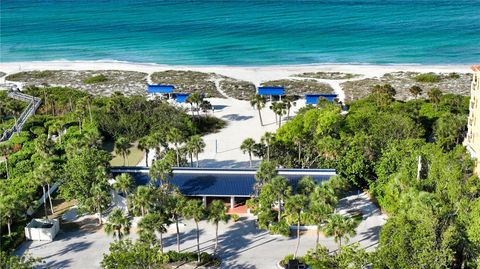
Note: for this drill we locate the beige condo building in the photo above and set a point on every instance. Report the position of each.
(473, 134)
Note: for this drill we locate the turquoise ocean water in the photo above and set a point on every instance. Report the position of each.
(242, 32)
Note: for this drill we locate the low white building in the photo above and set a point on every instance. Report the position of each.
(42, 229)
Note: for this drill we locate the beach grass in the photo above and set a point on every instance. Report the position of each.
(327, 75)
(300, 86)
(188, 81)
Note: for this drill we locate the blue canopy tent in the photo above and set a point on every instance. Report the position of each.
(181, 97)
(312, 99)
(271, 90)
(157, 88)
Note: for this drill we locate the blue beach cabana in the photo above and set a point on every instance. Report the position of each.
(271, 91)
(157, 88)
(181, 97)
(312, 99)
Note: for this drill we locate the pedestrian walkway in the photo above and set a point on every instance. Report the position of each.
(33, 104)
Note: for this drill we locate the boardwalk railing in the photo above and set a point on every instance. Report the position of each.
(33, 104)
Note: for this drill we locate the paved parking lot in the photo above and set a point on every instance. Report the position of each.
(241, 245)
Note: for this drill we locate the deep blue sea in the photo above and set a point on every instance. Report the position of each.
(242, 32)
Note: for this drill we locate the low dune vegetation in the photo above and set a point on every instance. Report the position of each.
(238, 89)
(188, 81)
(327, 75)
(300, 86)
(101, 83)
(456, 83)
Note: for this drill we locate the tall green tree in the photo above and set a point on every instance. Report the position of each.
(258, 102)
(247, 146)
(122, 147)
(268, 138)
(146, 143)
(124, 183)
(141, 199)
(161, 170)
(176, 202)
(194, 209)
(44, 176)
(340, 227)
(216, 213)
(117, 224)
(100, 198)
(175, 137)
(152, 223)
(198, 145)
(294, 207)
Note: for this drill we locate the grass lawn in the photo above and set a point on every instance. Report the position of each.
(133, 158)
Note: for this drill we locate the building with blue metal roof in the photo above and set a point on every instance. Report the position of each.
(235, 184)
(221, 182)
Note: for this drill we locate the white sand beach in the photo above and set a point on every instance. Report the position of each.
(255, 74)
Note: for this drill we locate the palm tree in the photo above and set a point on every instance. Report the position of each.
(268, 138)
(258, 102)
(435, 96)
(194, 209)
(175, 137)
(190, 100)
(175, 204)
(248, 145)
(117, 224)
(160, 170)
(141, 199)
(44, 175)
(415, 91)
(190, 148)
(80, 113)
(266, 172)
(124, 183)
(339, 227)
(294, 206)
(122, 147)
(11, 206)
(279, 109)
(322, 202)
(289, 101)
(197, 144)
(152, 223)
(57, 127)
(281, 189)
(205, 106)
(100, 194)
(217, 211)
(145, 144)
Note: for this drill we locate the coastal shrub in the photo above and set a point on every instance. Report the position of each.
(286, 259)
(235, 217)
(453, 75)
(96, 79)
(238, 89)
(428, 78)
